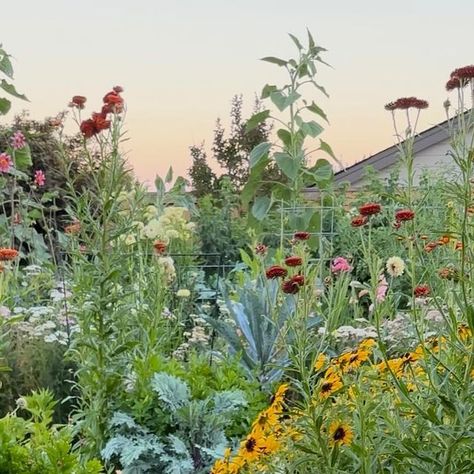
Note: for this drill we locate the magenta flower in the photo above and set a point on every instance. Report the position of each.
(40, 178)
(6, 163)
(340, 265)
(18, 140)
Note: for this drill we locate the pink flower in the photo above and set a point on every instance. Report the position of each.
(18, 140)
(340, 265)
(5, 163)
(381, 290)
(40, 178)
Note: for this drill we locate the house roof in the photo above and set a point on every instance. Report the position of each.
(388, 157)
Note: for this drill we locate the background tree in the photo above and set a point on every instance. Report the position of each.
(231, 152)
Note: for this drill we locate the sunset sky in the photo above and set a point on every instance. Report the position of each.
(180, 62)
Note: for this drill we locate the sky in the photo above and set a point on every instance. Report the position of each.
(181, 61)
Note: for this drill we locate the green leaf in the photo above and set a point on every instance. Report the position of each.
(288, 165)
(5, 105)
(285, 137)
(6, 65)
(10, 88)
(317, 110)
(312, 128)
(256, 119)
(258, 153)
(169, 175)
(159, 186)
(321, 172)
(327, 148)
(273, 60)
(22, 158)
(267, 90)
(311, 43)
(253, 182)
(261, 207)
(283, 101)
(296, 41)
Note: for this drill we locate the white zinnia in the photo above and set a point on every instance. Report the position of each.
(395, 266)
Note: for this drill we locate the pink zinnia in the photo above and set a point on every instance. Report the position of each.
(340, 265)
(18, 140)
(40, 178)
(5, 163)
(381, 290)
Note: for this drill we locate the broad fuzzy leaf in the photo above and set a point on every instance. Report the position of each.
(171, 390)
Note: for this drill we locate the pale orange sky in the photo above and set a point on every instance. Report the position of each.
(181, 62)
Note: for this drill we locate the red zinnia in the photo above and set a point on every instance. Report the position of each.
(370, 209)
(276, 271)
(359, 221)
(453, 83)
(465, 73)
(299, 279)
(114, 101)
(100, 122)
(88, 128)
(290, 287)
(404, 215)
(293, 261)
(421, 291)
(7, 254)
(78, 101)
(406, 103)
(301, 235)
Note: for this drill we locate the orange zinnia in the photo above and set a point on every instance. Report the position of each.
(7, 254)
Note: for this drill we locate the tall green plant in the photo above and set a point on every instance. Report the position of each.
(290, 153)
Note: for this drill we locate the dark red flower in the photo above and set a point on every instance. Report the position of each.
(421, 291)
(301, 235)
(453, 83)
(293, 261)
(290, 287)
(276, 271)
(406, 103)
(88, 128)
(114, 101)
(261, 249)
(359, 221)
(299, 279)
(100, 122)
(464, 74)
(78, 101)
(404, 215)
(370, 209)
